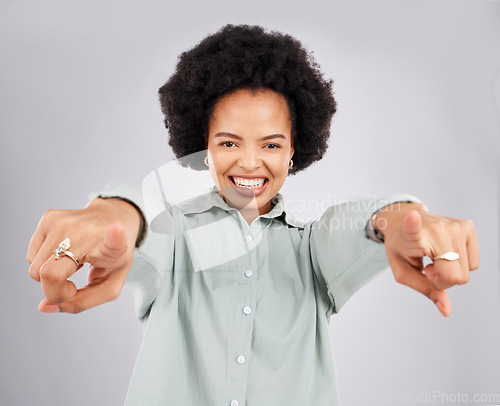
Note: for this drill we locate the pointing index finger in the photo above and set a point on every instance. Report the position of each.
(421, 283)
(101, 291)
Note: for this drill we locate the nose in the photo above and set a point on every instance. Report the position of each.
(250, 159)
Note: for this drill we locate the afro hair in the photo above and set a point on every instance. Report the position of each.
(247, 57)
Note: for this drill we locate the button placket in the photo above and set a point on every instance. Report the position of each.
(246, 298)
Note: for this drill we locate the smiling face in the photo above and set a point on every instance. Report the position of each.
(249, 148)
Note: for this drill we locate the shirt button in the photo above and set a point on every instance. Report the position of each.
(247, 310)
(249, 238)
(234, 403)
(241, 359)
(248, 273)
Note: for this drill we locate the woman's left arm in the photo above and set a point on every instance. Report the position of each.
(411, 232)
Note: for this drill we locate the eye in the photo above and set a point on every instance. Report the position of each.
(228, 144)
(272, 146)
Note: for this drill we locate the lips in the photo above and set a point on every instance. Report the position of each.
(248, 183)
(249, 186)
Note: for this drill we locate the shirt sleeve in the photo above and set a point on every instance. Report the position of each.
(155, 255)
(341, 250)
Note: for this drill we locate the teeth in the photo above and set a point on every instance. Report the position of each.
(249, 183)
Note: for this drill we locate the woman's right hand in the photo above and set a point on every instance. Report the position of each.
(103, 234)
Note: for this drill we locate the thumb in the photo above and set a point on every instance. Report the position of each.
(411, 226)
(115, 241)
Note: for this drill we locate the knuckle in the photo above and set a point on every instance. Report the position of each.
(473, 264)
(34, 273)
(428, 292)
(468, 224)
(438, 226)
(54, 220)
(455, 226)
(464, 279)
(78, 307)
(50, 215)
(49, 274)
(449, 279)
(111, 253)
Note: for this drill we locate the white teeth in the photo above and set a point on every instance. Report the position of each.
(249, 183)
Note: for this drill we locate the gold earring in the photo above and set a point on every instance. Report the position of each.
(206, 160)
(290, 164)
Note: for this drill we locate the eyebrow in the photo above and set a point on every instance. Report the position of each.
(237, 137)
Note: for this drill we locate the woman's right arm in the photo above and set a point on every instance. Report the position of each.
(104, 234)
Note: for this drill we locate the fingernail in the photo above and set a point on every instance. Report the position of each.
(50, 309)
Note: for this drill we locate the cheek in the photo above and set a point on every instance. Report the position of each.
(218, 165)
(280, 165)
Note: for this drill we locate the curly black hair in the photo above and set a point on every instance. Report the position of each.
(247, 57)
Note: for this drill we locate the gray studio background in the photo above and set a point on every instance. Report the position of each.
(418, 88)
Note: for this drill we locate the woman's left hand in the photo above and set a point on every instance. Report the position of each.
(411, 233)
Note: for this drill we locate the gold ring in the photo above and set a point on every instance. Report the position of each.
(449, 256)
(62, 251)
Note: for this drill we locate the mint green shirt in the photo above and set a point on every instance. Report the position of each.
(238, 314)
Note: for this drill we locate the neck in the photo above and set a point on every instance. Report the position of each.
(249, 215)
(248, 208)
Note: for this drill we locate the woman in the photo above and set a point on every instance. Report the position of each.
(238, 295)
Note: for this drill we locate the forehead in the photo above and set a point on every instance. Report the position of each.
(247, 109)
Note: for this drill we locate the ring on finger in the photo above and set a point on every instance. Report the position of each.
(62, 251)
(449, 256)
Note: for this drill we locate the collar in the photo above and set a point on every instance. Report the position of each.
(212, 198)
